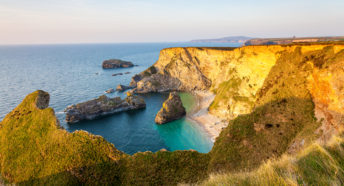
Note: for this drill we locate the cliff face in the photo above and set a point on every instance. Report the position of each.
(238, 76)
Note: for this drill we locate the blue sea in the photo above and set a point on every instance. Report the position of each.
(73, 74)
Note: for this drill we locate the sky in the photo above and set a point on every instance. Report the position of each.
(120, 21)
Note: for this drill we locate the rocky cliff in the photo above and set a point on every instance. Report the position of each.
(238, 76)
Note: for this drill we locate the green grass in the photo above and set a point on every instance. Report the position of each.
(225, 91)
(270, 128)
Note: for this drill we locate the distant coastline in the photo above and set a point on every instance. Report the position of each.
(230, 39)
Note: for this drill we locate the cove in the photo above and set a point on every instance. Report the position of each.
(73, 74)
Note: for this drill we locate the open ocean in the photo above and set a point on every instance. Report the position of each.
(73, 74)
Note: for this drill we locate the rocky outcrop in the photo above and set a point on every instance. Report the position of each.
(42, 100)
(122, 88)
(116, 63)
(102, 106)
(172, 109)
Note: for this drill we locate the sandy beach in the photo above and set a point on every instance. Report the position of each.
(200, 115)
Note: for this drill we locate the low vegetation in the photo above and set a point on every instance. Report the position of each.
(315, 165)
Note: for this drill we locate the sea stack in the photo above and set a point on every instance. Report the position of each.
(172, 109)
(116, 63)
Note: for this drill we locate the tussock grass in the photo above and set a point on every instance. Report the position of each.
(315, 165)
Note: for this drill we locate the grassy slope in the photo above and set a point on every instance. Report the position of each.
(315, 165)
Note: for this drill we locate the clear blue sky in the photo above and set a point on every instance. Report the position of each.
(98, 21)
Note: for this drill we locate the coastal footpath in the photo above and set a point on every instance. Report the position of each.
(283, 104)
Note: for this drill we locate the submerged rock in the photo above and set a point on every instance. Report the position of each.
(117, 74)
(172, 109)
(102, 106)
(116, 63)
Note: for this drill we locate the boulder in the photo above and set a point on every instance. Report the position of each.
(102, 106)
(116, 63)
(172, 109)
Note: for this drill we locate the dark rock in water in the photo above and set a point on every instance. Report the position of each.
(122, 88)
(111, 90)
(172, 109)
(102, 106)
(117, 74)
(42, 100)
(116, 63)
(127, 72)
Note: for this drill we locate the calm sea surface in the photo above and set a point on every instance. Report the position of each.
(73, 74)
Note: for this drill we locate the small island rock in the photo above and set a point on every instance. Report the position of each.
(172, 109)
(102, 106)
(116, 63)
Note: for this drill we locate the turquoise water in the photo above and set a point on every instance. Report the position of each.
(73, 74)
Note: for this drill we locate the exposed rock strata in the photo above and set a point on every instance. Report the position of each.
(172, 109)
(102, 106)
(116, 63)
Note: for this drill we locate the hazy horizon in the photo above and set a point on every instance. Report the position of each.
(134, 21)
